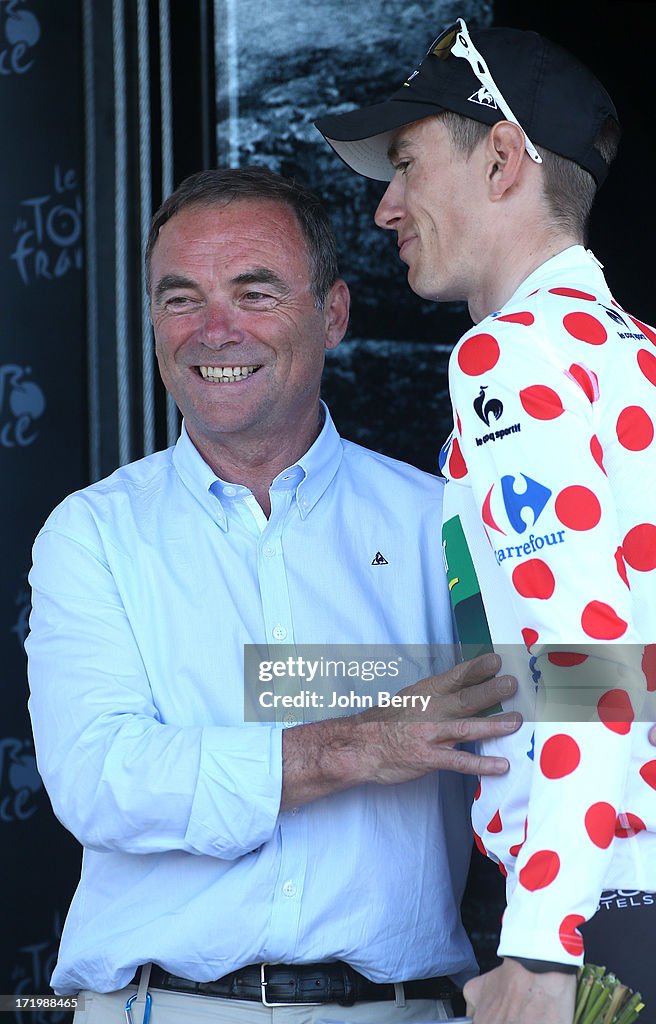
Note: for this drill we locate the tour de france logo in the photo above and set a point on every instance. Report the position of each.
(48, 229)
(20, 782)
(21, 403)
(21, 31)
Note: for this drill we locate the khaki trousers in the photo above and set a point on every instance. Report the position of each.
(180, 1008)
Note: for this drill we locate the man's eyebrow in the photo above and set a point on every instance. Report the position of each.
(258, 275)
(170, 281)
(261, 275)
(396, 148)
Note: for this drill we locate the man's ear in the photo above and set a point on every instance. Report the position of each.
(336, 313)
(504, 158)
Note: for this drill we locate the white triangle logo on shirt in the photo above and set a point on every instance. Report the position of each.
(379, 559)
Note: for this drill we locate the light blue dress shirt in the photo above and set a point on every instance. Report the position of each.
(146, 586)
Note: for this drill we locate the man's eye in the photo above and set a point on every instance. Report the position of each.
(258, 297)
(402, 166)
(179, 302)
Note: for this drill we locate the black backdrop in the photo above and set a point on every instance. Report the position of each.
(386, 387)
(83, 111)
(42, 434)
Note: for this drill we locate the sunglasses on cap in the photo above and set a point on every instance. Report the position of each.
(456, 41)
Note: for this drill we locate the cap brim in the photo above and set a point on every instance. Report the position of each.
(361, 138)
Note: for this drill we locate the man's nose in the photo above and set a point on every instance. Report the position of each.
(221, 325)
(390, 211)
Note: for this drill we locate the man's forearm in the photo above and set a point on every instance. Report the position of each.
(319, 759)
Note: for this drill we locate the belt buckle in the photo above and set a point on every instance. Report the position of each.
(263, 996)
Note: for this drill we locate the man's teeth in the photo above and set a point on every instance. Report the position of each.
(226, 374)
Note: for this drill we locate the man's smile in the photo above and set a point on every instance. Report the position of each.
(404, 242)
(226, 374)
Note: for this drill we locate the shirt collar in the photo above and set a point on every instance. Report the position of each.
(318, 465)
(573, 266)
(198, 477)
(308, 477)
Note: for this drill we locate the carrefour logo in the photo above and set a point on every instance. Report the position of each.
(534, 498)
(523, 509)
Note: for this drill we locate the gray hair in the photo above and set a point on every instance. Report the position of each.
(220, 186)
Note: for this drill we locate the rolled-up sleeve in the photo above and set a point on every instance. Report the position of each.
(118, 776)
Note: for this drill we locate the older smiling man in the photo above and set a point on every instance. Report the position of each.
(241, 871)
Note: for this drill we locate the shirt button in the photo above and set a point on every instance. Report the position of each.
(279, 632)
(289, 888)
(269, 551)
(230, 491)
(294, 810)
(290, 718)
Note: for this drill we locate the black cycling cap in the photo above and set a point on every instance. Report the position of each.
(506, 74)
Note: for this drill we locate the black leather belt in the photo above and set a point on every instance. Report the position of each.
(278, 984)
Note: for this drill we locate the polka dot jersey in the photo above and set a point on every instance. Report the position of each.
(550, 549)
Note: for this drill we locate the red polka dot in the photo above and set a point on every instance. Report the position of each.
(540, 870)
(602, 623)
(586, 328)
(571, 940)
(566, 659)
(479, 844)
(540, 402)
(616, 711)
(457, 465)
(628, 825)
(494, 825)
(514, 850)
(518, 318)
(649, 666)
(634, 428)
(530, 637)
(648, 773)
(646, 330)
(597, 451)
(478, 354)
(534, 579)
(578, 508)
(621, 567)
(586, 380)
(639, 547)
(600, 824)
(647, 363)
(573, 293)
(560, 756)
(458, 424)
(503, 870)
(478, 792)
